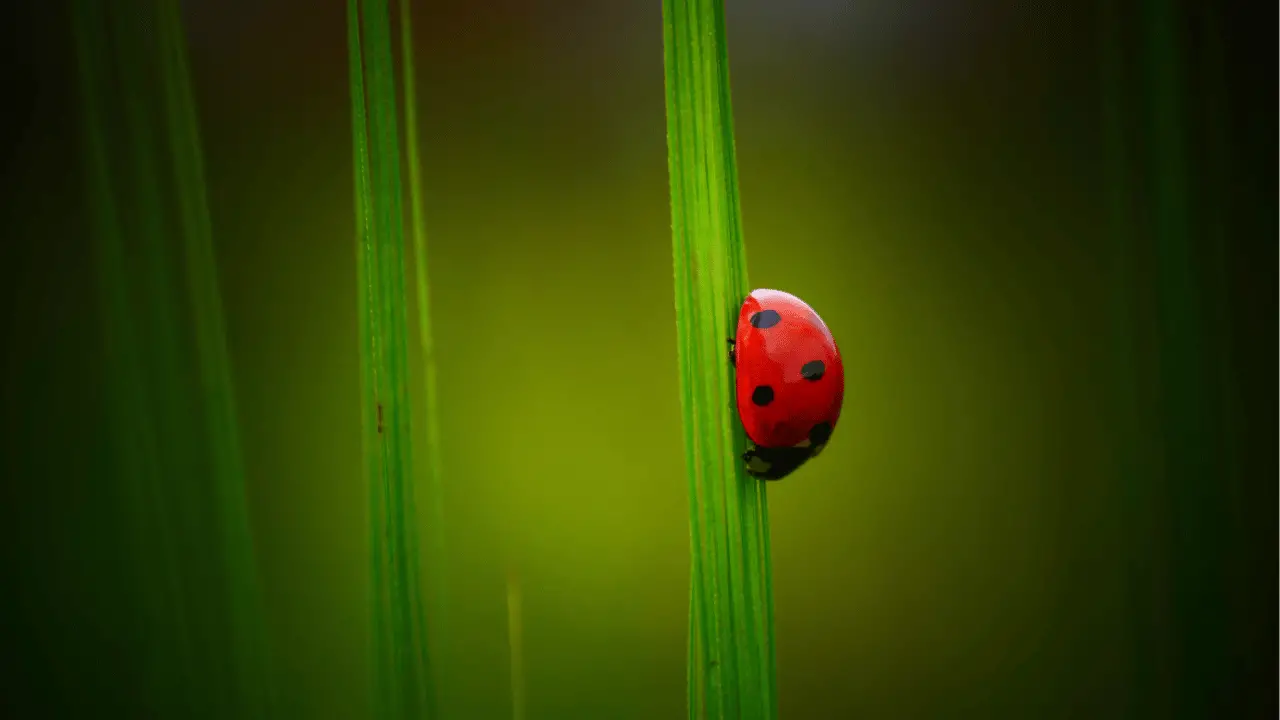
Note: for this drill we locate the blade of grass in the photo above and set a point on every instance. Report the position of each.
(1192, 469)
(151, 291)
(732, 670)
(1224, 210)
(370, 407)
(247, 629)
(177, 452)
(437, 553)
(515, 644)
(402, 682)
(384, 690)
(166, 657)
(1125, 408)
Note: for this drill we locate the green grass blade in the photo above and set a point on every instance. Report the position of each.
(434, 483)
(168, 434)
(402, 682)
(1187, 388)
(732, 670)
(515, 644)
(370, 410)
(1124, 410)
(153, 570)
(247, 630)
(184, 524)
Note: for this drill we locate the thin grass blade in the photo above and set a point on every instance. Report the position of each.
(178, 465)
(402, 677)
(434, 485)
(204, 296)
(515, 644)
(732, 669)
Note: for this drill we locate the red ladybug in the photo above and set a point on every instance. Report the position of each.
(790, 382)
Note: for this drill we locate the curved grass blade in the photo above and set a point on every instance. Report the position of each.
(732, 669)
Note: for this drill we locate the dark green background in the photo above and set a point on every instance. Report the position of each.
(1053, 489)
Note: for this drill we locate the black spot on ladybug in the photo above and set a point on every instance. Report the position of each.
(762, 395)
(813, 370)
(765, 319)
(819, 434)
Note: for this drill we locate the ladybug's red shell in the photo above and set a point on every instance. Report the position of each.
(790, 381)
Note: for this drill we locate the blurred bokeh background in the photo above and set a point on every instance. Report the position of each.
(1052, 492)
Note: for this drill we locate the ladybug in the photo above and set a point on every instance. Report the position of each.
(789, 385)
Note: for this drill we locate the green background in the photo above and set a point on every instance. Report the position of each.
(1051, 493)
